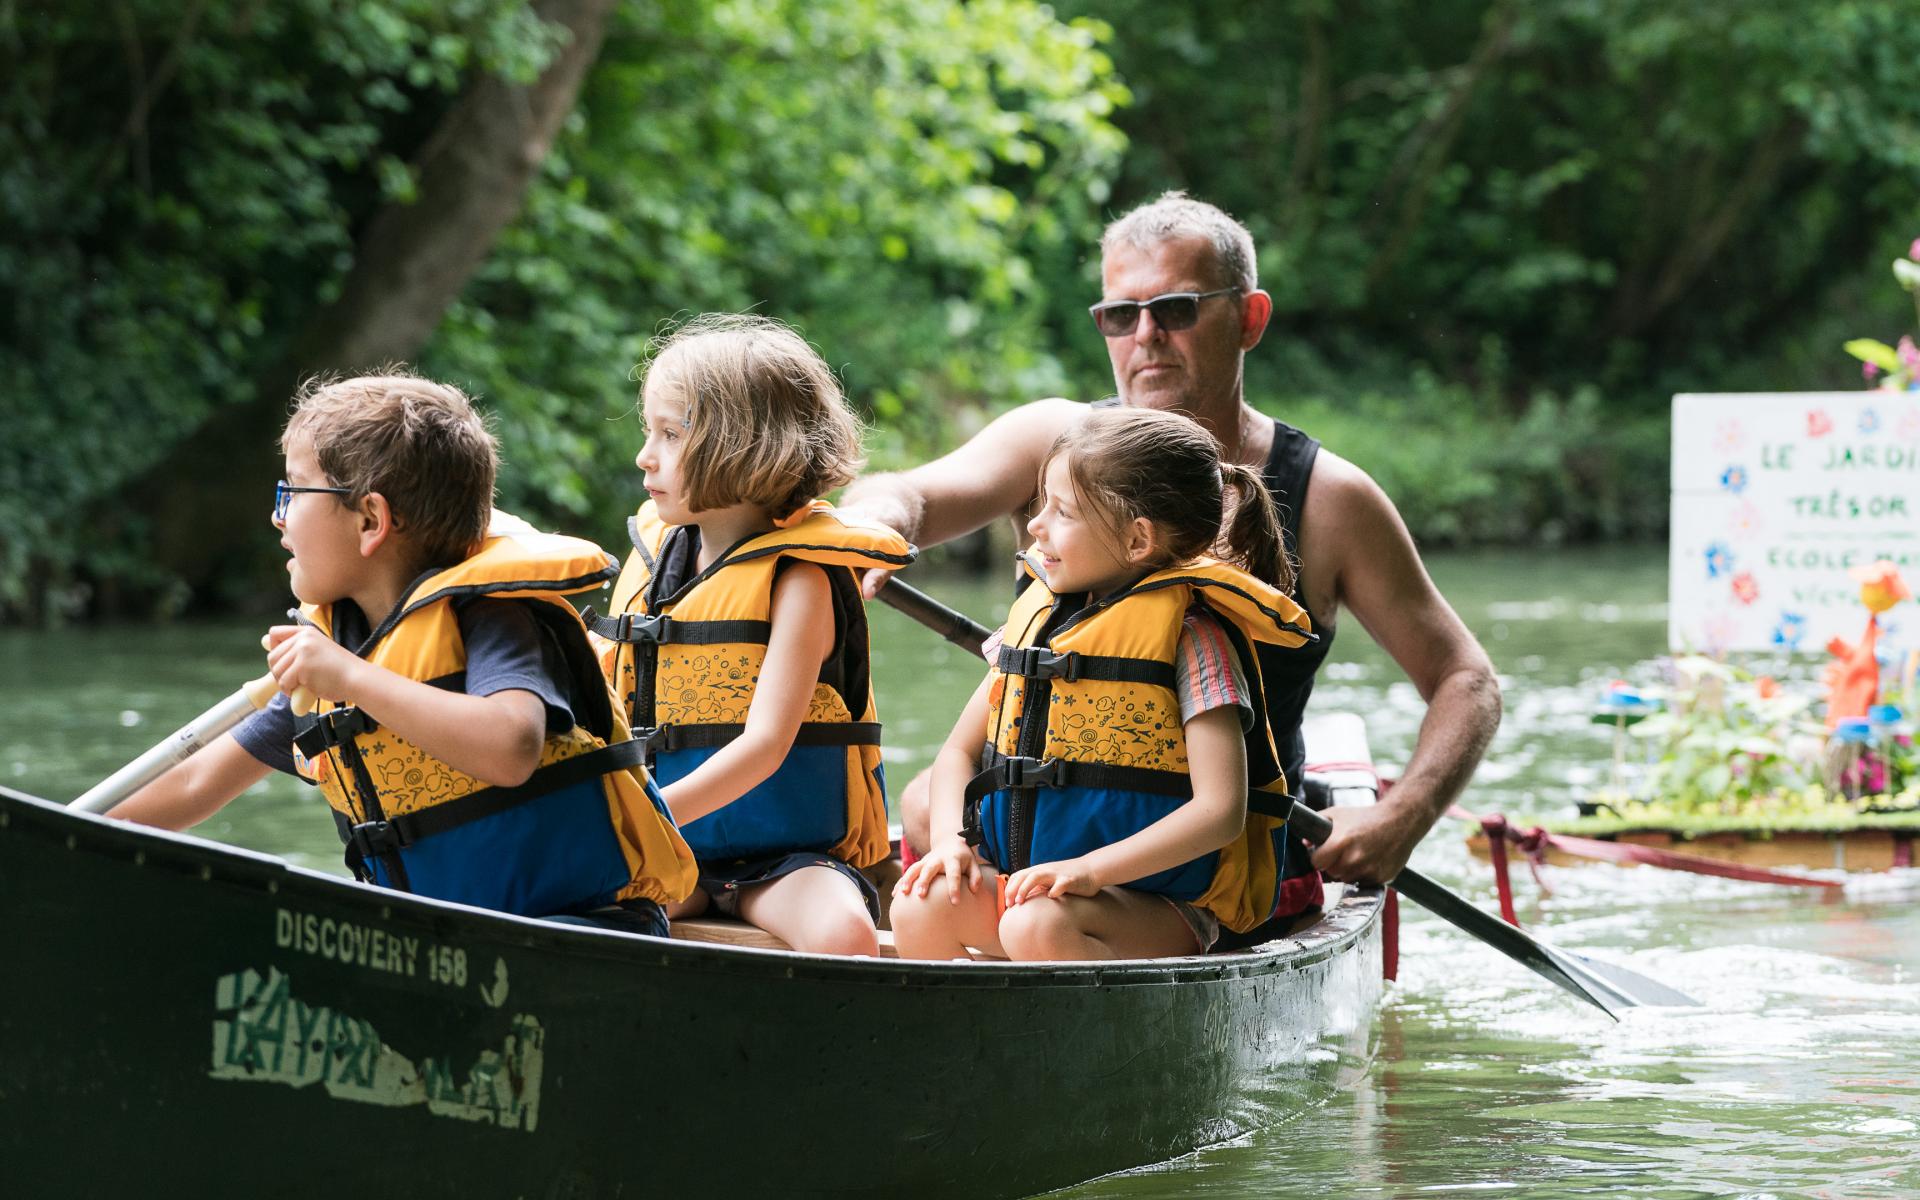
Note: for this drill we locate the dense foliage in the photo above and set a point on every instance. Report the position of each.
(723, 158)
(1539, 219)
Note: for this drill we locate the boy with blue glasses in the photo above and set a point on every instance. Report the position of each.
(464, 737)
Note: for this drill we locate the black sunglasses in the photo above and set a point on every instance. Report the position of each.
(284, 492)
(1172, 312)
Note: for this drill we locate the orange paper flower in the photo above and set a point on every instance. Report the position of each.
(1853, 677)
(1880, 586)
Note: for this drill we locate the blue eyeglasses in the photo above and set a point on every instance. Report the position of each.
(284, 492)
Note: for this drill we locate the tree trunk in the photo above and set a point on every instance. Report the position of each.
(208, 500)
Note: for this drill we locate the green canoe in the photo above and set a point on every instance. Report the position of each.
(183, 1017)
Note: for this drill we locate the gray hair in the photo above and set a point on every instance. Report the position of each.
(1177, 215)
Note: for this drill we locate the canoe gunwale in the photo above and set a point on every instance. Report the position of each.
(1339, 931)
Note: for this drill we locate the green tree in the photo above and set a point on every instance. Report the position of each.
(204, 204)
(879, 172)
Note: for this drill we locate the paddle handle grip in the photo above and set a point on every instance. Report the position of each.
(951, 624)
(302, 700)
(1309, 824)
(185, 742)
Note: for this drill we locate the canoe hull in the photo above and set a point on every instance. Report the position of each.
(224, 1023)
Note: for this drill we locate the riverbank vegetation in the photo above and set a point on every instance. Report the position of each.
(1499, 235)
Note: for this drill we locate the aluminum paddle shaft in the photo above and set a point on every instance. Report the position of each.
(185, 742)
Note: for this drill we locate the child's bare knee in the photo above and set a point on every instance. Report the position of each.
(842, 932)
(909, 913)
(1042, 928)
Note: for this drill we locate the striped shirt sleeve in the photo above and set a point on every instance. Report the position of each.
(1206, 671)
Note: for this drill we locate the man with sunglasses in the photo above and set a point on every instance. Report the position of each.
(1180, 310)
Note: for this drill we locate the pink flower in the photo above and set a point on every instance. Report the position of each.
(1913, 251)
(1909, 355)
(1819, 424)
(1870, 371)
(1745, 590)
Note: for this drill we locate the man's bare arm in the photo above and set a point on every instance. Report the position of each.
(1382, 581)
(994, 474)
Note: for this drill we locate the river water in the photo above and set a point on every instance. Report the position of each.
(1798, 1076)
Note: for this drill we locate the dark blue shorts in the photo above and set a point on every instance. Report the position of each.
(722, 881)
(628, 916)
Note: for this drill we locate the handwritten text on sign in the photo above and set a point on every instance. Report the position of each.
(1775, 497)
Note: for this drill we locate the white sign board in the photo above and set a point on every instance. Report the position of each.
(1775, 496)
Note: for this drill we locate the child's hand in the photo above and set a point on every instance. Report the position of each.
(1071, 877)
(951, 857)
(300, 656)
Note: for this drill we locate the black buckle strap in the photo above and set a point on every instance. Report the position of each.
(332, 728)
(1002, 773)
(659, 629)
(1007, 772)
(1038, 662)
(1031, 772)
(628, 627)
(373, 839)
(670, 738)
(1013, 772)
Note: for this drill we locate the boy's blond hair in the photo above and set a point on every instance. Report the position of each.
(767, 423)
(418, 443)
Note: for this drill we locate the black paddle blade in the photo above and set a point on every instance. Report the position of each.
(1609, 988)
(1612, 989)
(1636, 988)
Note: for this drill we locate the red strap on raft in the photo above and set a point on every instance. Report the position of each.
(1497, 835)
(1533, 842)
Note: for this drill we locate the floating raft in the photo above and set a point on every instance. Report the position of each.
(179, 1010)
(1869, 842)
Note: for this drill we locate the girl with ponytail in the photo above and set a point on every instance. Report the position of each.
(1121, 729)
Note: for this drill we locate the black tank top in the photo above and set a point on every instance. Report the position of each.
(1287, 675)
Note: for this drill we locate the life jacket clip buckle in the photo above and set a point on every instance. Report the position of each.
(1033, 772)
(642, 627)
(372, 839)
(1038, 662)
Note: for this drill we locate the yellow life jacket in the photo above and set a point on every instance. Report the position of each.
(1085, 745)
(684, 663)
(586, 830)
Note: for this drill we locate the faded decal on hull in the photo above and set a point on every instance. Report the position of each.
(264, 1034)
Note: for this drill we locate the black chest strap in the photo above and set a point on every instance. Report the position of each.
(385, 838)
(651, 630)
